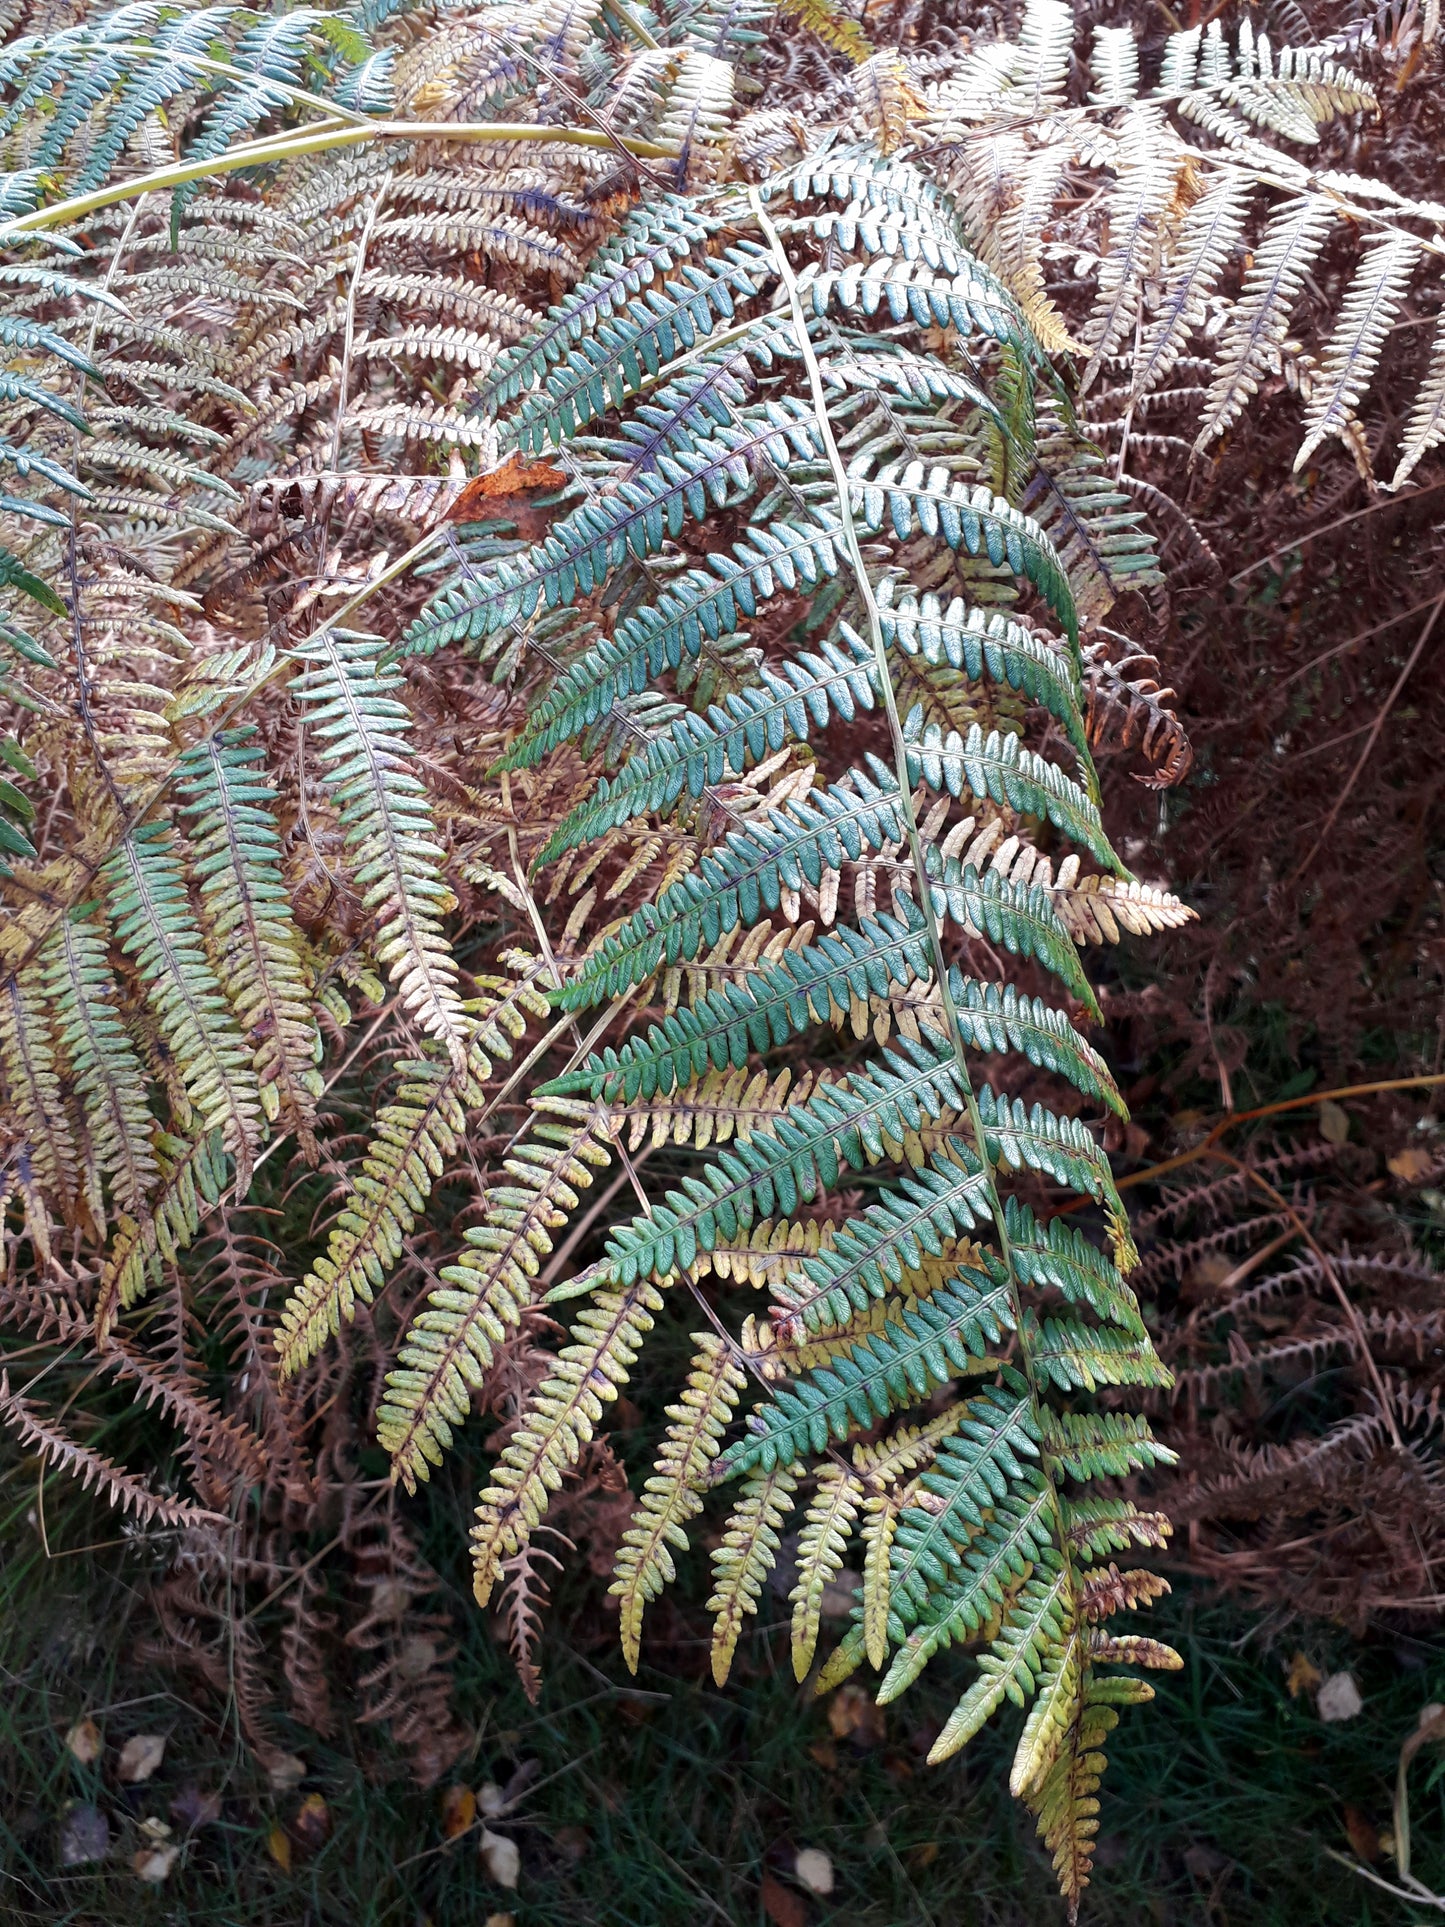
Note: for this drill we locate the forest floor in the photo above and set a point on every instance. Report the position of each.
(1229, 1803)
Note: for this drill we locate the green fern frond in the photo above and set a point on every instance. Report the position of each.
(654, 240)
(791, 701)
(696, 607)
(108, 1077)
(998, 768)
(386, 818)
(984, 642)
(194, 1177)
(821, 983)
(931, 1342)
(236, 857)
(602, 368)
(151, 915)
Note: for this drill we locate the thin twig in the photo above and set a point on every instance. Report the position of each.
(1368, 751)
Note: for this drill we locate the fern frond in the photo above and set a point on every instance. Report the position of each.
(672, 1495)
(697, 607)
(833, 26)
(791, 701)
(742, 1562)
(560, 1418)
(236, 855)
(998, 768)
(422, 1125)
(1208, 236)
(1287, 250)
(1426, 427)
(482, 1295)
(1373, 300)
(194, 1177)
(109, 1080)
(151, 914)
(33, 1090)
(122, 1489)
(386, 819)
(931, 1342)
(822, 1545)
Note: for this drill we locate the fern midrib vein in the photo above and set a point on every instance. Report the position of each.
(915, 844)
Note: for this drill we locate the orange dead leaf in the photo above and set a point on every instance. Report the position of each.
(1303, 1676)
(854, 1714)
(1412, 1165)
(1364, 1835)
(459, 1809)
(783, 1907)
(512, 477)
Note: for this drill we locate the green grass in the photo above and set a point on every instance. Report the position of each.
(664, 1801)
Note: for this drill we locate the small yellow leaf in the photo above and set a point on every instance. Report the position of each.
(278, 1845)
(84, 1743)
(459, 1809)
(139, 1758)
(1412, 1165)
(1303, 1677)
(312, 1824)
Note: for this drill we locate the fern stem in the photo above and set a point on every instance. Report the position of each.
(284, 147)
(227, 70)
(915, 842)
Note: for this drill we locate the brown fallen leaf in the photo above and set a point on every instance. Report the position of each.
(572, 1843)
(139, 1758)
(500, 1920)
(83, 1742)
(192, 1808)
(783, 1906)
(311, 1827)
(512, 477)
(1303, 1676)
(459, 1809)
(854, 1714)
(1412, 1165)
(1364, 1835)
